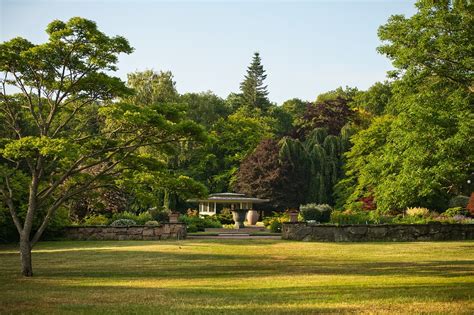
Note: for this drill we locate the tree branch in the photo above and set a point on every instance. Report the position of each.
(11, 207)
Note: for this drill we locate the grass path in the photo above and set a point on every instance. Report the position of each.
(240, 276)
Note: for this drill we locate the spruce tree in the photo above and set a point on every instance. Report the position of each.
(254, 92)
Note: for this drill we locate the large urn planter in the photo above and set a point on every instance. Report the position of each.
(239, 217)
(174, 216)
(293, 216)
(252, 217)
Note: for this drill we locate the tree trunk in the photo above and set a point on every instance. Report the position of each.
(25, 254)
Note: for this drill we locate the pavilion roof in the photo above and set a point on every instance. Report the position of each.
(228, 198)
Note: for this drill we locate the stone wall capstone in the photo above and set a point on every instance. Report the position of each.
(302, 231)
(166, 231)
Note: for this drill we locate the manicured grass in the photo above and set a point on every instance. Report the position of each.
(240, 276)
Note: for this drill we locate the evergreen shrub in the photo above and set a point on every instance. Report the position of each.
(96, 219)
(316, 212)
(459, 201)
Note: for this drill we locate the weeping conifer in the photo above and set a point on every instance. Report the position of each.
(318, 161)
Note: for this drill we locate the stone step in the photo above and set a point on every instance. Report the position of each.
(227, 236)
(248, 229)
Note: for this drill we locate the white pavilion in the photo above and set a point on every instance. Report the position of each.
(216, 202)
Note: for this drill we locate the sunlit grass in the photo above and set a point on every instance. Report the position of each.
(240, 276)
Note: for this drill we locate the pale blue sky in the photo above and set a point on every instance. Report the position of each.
(307, 47)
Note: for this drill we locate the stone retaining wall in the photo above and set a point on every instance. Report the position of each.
(384, 232)
(176, 231)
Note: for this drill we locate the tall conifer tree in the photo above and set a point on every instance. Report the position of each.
(254, 92)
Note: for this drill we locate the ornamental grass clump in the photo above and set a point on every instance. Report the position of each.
(417, 212)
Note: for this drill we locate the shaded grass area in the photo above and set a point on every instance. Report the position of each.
(240, 276)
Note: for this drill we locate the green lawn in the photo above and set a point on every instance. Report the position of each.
(240, 276)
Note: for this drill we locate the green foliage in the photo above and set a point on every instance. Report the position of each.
(143, 217)
(151, 87)
(96, 219)
(348, 93)
(275, 222)
(139, 219)
(347, 217)
(196, 223)
(159, 214)
(315, 164)
(451, 212)
(367, 147)
(57, 223)
(205, 108)
(435, 41)
(225, 216)
(76, 133)
(127, 215)
(360, 217)
(459, 201)
(376, 217)
(423, 153)
(254, 92)
(375, 100)
(281, 122)
(316, 212)
(296, 109)
(123, 222)
(417, 219)
(232, 140)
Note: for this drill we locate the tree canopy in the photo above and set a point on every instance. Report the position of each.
(423, 153)
(75, 139)
(65, 134)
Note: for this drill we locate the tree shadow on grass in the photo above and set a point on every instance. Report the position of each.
(177, 265)
(295, 299)
(103, 259)
(113, 276)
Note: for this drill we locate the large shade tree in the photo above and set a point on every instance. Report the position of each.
(316, 162)
(329, 113)
(423, 154)
(63, 134)
(292, 172)
(262, 174)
